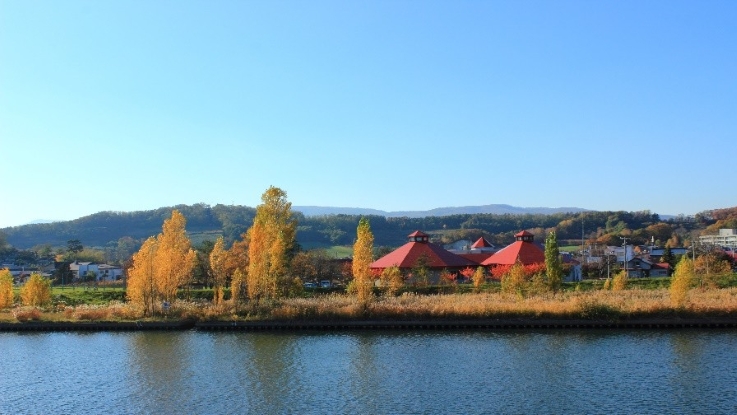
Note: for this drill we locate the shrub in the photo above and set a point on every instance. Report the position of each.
(515, 281)
(619, 282)
(27, 313)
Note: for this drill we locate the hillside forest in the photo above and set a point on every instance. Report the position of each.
(113, 237)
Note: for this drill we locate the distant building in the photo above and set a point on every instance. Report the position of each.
(102, 272)
(725, 238)
(523, 249)
(420, 251)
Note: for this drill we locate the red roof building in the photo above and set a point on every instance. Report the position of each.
(482, 244)
(418, 249)
(523, 249)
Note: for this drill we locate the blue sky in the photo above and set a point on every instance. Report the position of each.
(393, 105)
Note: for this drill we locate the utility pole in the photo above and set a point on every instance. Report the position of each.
(625, 254)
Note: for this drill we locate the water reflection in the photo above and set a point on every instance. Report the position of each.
(688, 371)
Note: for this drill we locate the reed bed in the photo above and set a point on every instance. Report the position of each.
(595, 304)
(632, 303)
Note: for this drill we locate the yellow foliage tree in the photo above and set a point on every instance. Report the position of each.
(619, 282)
(36, 291)
(681, 281)
(237, 286)
(162, 265)
(218, 266)
(363, 256)
(710, 268)
(478, 278)
(175, 258)
(392, 280)
(270, 239)
(141, 289)
(515, 281)
(6, 288)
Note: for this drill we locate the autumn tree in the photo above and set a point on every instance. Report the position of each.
(711, 267)
(515, 281)
(553, 268)
(141, 286)
(238, 286)
(271, 238)
(362, 257)
(36, 291)
(682, 281)
(6, 289)
(162, 265)
(620, 281)
(175, 258)
(478, 278)
(391, 280)
(236, 266)
(218, 267)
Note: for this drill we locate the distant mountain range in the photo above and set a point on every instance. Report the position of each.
(497, 209)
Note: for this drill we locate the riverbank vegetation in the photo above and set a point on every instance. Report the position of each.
(582, 303)
(262, 275)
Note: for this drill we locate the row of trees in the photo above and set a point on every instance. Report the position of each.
(35, 292)
(257, 265)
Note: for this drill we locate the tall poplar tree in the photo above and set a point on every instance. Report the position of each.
(271, 238)
(681, 281)
(553, 268)
(218, 264)
(363, 256)
(162, 265)
(6, 288)
(140, 287)
(175, 258)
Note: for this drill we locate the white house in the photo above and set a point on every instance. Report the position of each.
(103, 272)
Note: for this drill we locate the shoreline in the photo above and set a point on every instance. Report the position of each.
(502, 324)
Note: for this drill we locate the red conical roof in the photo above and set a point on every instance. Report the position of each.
(407, 256)
(481, 243)
(527, 252)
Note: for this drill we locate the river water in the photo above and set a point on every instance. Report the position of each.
(473, 372)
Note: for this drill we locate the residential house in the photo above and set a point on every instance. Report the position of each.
(102, 272)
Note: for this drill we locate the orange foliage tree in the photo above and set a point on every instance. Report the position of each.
(162, 265)
(218, 267)
(363, 255)
(271, 238)
(6, 288)
(36, 291)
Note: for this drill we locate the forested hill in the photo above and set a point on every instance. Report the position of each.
(207, 222)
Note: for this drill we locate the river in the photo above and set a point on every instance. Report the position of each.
(465, 372)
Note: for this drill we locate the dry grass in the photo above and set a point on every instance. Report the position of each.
(595, 304)
(631, 303)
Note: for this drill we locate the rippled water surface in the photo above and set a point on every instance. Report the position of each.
(686, 371)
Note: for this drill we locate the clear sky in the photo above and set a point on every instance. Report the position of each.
(393, 105)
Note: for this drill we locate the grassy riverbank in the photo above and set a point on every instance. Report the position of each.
(585, 301)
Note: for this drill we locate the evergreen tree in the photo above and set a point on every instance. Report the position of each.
(553, 267)
(362, 258)
(668, 258)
